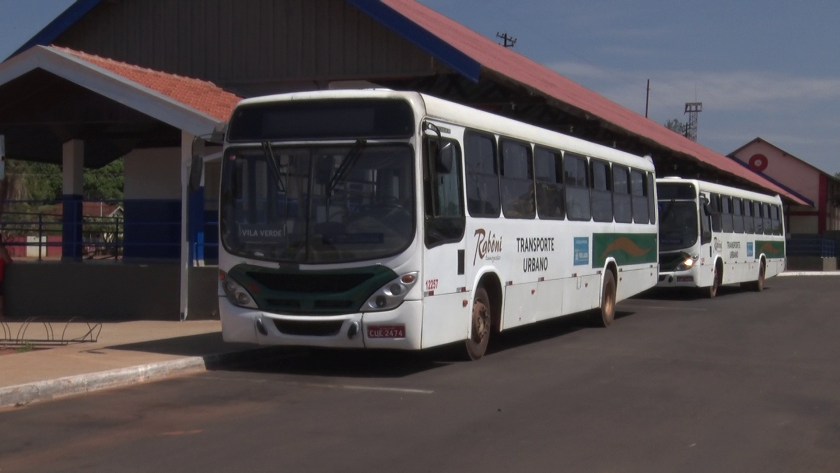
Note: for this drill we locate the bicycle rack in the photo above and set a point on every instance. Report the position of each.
(48, 339)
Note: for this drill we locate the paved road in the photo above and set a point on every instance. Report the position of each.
(745, 382)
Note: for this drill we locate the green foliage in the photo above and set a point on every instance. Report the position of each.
(105, 183)
(42, 183)
(677, 126)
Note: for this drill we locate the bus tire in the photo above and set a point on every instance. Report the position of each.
(716, 279)
(480, 325)
(758, 285)
(606, 314)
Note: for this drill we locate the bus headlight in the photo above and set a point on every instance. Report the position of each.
(687, 263)
(391, 294)
(235, 292)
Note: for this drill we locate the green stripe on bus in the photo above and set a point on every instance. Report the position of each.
(771, 249)
(626, 248)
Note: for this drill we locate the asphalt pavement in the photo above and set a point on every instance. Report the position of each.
(42, 360)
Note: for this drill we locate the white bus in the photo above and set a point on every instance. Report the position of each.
(711, 235)
(396, 220)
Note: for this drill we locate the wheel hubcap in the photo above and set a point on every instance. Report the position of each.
(479, 321)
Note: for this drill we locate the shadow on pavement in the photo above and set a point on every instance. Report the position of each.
(190, 345)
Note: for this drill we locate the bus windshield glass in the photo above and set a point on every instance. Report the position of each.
(677, 224)
(318, 204)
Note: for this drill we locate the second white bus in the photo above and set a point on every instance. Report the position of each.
(711, 235)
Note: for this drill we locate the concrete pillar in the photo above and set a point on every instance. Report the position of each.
(73, 165)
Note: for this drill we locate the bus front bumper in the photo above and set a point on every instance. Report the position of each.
(677, 279)
(398, 329)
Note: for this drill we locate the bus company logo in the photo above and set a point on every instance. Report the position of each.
(487, 246)
(768, 247)
(718, 245)
(749, 249)
(627, 245)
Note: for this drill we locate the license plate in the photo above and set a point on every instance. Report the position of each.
(386, 331)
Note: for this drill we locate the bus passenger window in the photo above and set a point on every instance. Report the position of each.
(749, 221)
(577, 187)
(651, 197)
(717, 219)
(726, 213)
(549, 173)
(765, 213)
(759, 222)
(601, 192)
(737, 216)
(622, 204)
(776, 222)
(482, 175)
(641, 212)
(517, 180)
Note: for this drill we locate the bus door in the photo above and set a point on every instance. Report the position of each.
(445, 295)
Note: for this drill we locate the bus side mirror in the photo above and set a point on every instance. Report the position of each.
(442, 161)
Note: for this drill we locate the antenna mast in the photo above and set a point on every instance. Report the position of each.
(692, 109)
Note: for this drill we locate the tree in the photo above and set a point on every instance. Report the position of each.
(677, 126)
(105, 183)
(30, 189)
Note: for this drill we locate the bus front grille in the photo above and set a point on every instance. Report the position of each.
(310, 283)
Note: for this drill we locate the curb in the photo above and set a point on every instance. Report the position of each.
(24, 394)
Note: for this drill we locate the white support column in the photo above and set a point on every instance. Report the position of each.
(73, 167)
(186, 157)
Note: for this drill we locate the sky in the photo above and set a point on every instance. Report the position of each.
(768, 69)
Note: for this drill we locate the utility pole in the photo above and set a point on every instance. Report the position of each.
(647, 99)
(509, 41)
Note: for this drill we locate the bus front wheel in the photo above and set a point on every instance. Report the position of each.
(480, 325)
(716, 279)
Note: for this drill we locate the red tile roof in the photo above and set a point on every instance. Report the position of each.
(200, 95)
(505, 61)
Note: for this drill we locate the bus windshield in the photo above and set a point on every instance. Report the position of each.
(677, 224)
(318, 203)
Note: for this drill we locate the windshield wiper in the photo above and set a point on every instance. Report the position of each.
(668, 209)
(272, 163)
(346, 164)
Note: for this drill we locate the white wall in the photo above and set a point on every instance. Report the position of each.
(153, 174)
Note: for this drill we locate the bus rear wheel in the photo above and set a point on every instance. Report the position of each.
(480, 326)
(758, 285)
(605, 316)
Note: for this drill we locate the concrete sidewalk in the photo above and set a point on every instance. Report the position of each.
(123, 353)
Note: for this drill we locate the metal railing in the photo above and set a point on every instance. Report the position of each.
(811, 245)
(103, 237)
